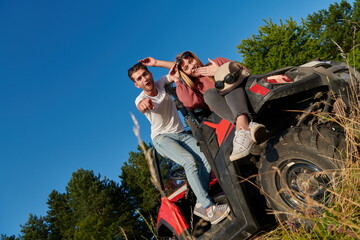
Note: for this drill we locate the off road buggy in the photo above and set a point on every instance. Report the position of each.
(296, 165)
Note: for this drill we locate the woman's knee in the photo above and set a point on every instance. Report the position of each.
(211, 95)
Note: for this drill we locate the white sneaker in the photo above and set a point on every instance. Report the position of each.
(258, 132)
(216, 213)
(242, 144)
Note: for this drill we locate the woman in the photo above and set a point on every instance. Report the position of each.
(197, 79)
(197, 90)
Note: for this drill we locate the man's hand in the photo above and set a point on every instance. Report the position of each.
(174, 74)
(209, 70)
(149, 61)
(145, 105)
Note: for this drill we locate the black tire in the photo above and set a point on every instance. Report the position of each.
(302, 163)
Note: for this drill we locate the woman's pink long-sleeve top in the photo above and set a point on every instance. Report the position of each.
(193, 98)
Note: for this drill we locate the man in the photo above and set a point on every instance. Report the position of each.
(171, 141)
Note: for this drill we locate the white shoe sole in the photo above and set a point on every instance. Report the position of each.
(234, 157)
(225, 214)
(206, 218)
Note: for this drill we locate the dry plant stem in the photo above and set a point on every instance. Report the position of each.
(150, 225)
(147, 154)
(123, 232)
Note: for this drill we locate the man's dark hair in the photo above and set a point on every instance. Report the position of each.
(134, 68)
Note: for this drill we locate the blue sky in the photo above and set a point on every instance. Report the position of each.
(65, 99)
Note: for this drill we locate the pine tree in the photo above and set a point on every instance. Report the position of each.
(5, 237)
(36, 228)
(91, 208)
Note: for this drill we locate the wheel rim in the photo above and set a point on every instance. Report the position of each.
(298, 179)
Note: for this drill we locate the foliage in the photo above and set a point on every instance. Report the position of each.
(35, 228)
(91, 208)
(136, 181)
(276, 46)
(5, 237)
(291, 44)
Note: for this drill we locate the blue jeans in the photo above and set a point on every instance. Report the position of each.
(182, 148)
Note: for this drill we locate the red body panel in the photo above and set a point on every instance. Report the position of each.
(222, 129)
(258, 89)
(171, 214)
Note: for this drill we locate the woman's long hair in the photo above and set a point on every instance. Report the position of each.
(188, 80)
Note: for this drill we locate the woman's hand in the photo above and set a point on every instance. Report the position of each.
(148, 61)
(209, 70)
(174, 74)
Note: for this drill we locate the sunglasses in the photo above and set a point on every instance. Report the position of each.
(183, 56)
(230, 78)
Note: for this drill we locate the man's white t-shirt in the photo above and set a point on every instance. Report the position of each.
(164, 118)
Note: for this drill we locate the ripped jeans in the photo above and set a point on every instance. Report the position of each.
(228, 106)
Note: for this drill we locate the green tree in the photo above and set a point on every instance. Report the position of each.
(275, 46)
(135, 177)
(36, 228)
(318, 36)
(5, 237)
(59, 215)
(91, 208)
(99, 208)
(332, 27)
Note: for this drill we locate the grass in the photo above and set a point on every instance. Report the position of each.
(340, 220)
